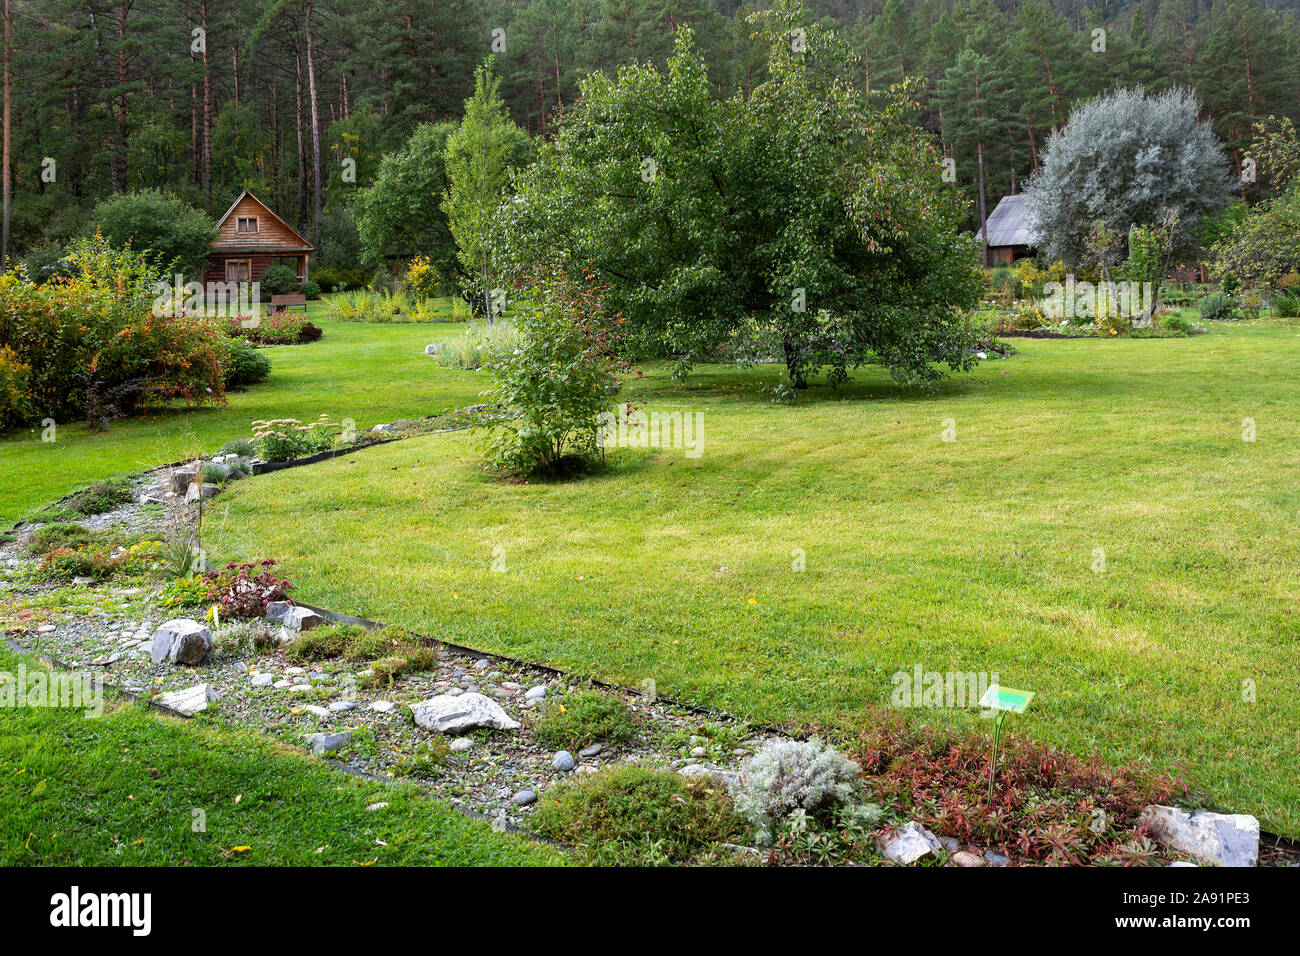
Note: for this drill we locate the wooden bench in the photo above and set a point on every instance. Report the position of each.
(280, 303)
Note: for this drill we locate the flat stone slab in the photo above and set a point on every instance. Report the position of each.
(1224, 839)
(457, 715)
(189, 701)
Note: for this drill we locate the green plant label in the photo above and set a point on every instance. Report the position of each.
(1006, 698)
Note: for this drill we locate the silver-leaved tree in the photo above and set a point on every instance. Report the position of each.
(1127, 159)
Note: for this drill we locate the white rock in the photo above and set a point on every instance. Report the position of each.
(301, 619)
(455, 715)
(909, 844)
(328, 743)
(282, 684)
(1225, 839)
(536, 693)
(300, 689)
(376, 806)
(461, 744)
(263, 680)
(293, 671)
(181, 641)
(189, 701)
(343, 706)
(382, 706)
(316, 709)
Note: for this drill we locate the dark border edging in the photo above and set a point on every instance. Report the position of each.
(697, 709)
(102, 685)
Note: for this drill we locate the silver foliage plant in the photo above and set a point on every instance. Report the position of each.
(1127, 159)
(789, 775)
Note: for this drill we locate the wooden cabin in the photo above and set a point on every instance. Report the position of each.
(1011, 231)
(250, 238)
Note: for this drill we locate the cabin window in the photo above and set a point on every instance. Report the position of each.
(246, 224)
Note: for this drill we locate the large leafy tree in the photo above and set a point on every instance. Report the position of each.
(805, 212)
(163, 229)
(1264, 243)
(482, 154)
(1126, 158)
(401, 214)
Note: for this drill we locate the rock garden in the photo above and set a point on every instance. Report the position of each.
(109, 584)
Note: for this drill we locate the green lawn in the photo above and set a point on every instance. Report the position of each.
(122, 790)
(973, 555)
(370, 373)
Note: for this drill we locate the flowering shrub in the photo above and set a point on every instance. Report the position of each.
(89, 343)
(242, 590)
(282, 328)
(15, 376)
(422, 279)
(284, 439)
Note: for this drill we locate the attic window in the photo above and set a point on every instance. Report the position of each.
(246, 224)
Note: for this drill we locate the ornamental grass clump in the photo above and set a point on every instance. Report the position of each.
(789, 775)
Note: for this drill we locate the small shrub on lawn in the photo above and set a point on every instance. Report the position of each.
(349, 641)
(631, 815)
(310, 289)
(1178, 323)
(585, 718)
(1217, 306)
(246, 365)
(794, 775)
(556, 383)
(1049, 806)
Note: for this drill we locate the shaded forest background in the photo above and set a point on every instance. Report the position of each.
(109, 96)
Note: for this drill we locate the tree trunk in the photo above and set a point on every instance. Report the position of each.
(794, 368)
(317, 203)
(8, 183)
(984, 223)
(207, 109)
(302, 153)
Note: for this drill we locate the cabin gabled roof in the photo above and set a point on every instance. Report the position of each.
(247, 193)
(1011, 224)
